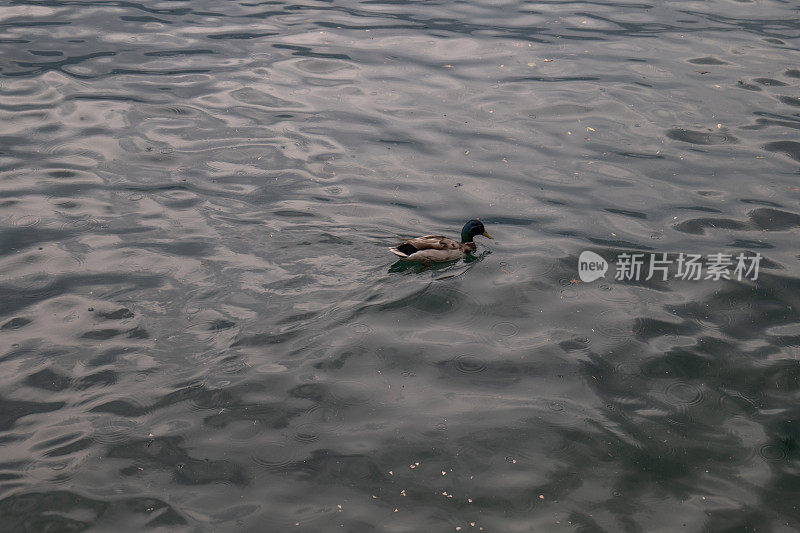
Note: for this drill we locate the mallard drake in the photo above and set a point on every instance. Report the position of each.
(438, 247)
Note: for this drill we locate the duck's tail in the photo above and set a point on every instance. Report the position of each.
(398, 253)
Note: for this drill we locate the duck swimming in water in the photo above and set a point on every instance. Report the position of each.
(438, 247)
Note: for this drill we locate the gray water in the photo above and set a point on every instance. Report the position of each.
(201, 328)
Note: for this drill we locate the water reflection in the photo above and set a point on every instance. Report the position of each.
(451, 267)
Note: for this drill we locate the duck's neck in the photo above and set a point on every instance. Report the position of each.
(466, 238)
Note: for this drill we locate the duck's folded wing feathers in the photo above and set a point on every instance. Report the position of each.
(435, 242)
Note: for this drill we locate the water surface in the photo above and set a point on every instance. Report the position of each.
(201, 328)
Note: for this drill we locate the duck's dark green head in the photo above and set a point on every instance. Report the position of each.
(472, 228)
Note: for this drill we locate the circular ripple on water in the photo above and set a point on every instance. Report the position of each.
(203, 398)
(275, 455)
(51, 472)
(232, 364)
(628, 368)
(57, 467)
(617, 324)
(361, 329)
(576, 344)
(244, 430)
(80, 222)
(628, 379)
(662, 441)
(568, 290)
(609, 292)
(544, 263)
(177, 199)
(115, 430)
(348, 393)
(331, 420)
(307, 433)
(728, 313)
(142, 376)
(773, 453)
(684, 393)
(468, 364)
(505, 329)
(26, 221)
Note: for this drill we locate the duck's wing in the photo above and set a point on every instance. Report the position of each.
(426, 245)
(431, 242)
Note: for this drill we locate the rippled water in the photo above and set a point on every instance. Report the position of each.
(201, 327)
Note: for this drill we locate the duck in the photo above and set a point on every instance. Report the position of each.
(438, 248)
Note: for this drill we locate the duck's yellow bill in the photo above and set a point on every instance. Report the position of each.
(486, 234)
